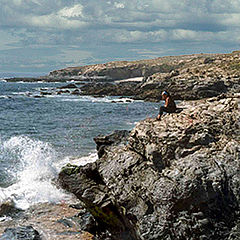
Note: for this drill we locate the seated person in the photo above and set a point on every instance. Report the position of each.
(169, 106)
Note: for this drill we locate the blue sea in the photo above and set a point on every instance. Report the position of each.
(39, 135)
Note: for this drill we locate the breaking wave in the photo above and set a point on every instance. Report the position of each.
(28, 172)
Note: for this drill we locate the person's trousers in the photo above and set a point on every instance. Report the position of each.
(165, 109)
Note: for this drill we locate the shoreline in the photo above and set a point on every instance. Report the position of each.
(171, 170)
(188, 77)
(195, 81)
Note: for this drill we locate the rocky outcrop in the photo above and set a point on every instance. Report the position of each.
(118, 70)
(8, 208)
(116, 138)
(196, 77)
(187, 77)
(21, 233)
(69, 86)
(177, 178)
(109, 89)
(151, 91)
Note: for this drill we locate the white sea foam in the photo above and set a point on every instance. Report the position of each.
(34, 173)
(92, 157)
(100, 99)
(4, 96)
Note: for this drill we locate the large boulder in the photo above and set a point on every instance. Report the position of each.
(70, 85)
(177, 178)
(116, 138)
(7, 208)
(109, 89)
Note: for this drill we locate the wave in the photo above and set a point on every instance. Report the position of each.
(31, 164)
(4, 96)
(98, 99)
(80, 161)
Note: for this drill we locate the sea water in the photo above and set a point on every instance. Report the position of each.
(38, 136)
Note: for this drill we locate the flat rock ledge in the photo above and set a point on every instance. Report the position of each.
(178, 178)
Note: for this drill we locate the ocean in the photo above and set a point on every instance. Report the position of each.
(39, 135)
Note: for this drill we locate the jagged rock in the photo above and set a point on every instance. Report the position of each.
(87, 223)
(187, 77)
(70, 85)
(8, 208)
(62, 91)
(109, 89)
(117, 137)
(208, 60)
(76, 92)
(38, 96)
(45, 93)
(21, 233)
(83, 220)
(191, 77)
(180, 89)
(177, 178)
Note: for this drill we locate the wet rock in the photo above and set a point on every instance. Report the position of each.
(45, 93)
(76, 92)
(66, 222)
(38, 96)
(63, 91)
(109, 89)
(87, 223)
(70, 85)
(8, 208)
(174, 179)
(21, 233)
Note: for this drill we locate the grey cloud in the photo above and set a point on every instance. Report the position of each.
(110, 29)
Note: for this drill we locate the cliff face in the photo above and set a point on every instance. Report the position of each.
(185, 77)
(177, 178)
(199, 77)
(127, 69)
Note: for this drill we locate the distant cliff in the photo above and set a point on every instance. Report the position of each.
(188, 77)
(126, 69)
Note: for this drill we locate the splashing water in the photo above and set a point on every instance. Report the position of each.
(32, 168)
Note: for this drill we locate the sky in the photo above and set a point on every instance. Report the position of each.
(44, 35)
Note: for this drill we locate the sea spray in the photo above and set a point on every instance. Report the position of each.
(32, 167)
(80, 161)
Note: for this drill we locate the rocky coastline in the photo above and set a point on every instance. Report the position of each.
(177, 178)
(188, 77)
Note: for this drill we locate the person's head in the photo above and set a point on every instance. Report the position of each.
(165, 94)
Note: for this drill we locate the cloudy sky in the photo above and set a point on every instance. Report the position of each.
(43, 35)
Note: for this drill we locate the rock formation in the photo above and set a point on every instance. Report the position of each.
(186, 77)
(109, 89)
(177, 178)
(193, 77)
(8, 208)
(117, 70)
(21, 233)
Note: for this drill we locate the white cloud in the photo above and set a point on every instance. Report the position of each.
(75, 11)
(55, 22)
(119, 5)
(109, 26)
